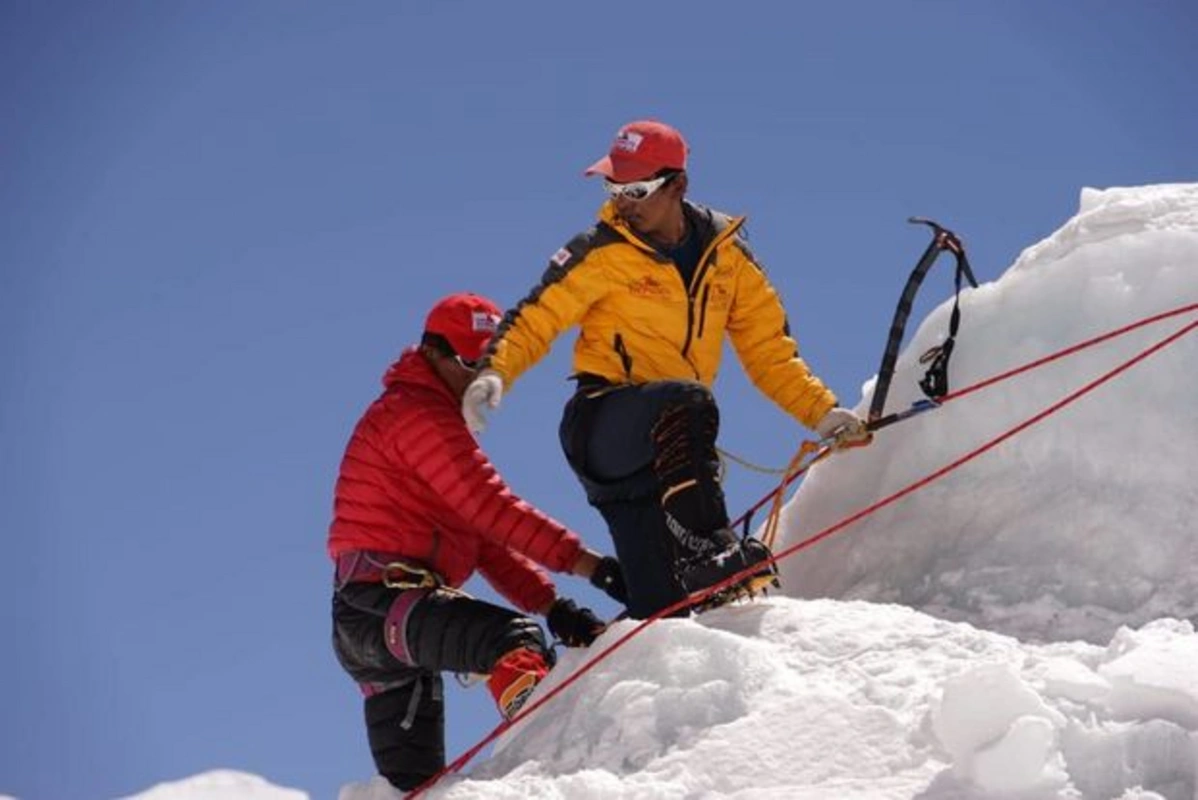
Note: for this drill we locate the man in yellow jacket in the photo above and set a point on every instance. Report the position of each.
(655, 286)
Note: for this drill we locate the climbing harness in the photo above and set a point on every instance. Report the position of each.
(388, 569)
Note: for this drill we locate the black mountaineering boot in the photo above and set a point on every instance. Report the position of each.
(704, 571)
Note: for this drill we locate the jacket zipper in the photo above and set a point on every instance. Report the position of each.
(696, 282)
(703, 311)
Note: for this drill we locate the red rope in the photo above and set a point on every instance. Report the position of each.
(697, 597)
(1068, 351)
(982, 384)
(971, 455)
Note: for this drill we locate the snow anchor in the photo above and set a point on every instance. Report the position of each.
(935, 381)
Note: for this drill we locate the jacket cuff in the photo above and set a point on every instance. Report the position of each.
(567, 552)
(816, 412)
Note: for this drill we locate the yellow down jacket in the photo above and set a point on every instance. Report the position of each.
(639, 323)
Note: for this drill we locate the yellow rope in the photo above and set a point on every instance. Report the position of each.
(793, 468)
(724, 454)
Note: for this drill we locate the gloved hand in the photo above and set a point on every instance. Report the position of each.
(844, 427)
(609, 579)
(485, 391)
(574, 626)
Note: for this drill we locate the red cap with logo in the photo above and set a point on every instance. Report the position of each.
(467, 321)
(641, 150)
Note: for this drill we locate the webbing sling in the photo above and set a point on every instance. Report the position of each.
(935, 382)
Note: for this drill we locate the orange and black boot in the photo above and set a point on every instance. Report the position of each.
(514, 678)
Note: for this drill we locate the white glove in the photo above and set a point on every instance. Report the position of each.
(484, 392)
(844, 426)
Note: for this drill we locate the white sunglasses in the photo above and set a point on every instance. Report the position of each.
(470, 364)
(635, 190)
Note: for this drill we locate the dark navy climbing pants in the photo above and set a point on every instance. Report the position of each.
(612, 436)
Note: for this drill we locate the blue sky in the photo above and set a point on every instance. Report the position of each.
(220, 221)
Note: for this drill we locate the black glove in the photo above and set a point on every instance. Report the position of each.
(609, 579)
(573, 626)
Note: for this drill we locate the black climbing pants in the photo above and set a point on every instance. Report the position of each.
(396, 642)
(645, 455)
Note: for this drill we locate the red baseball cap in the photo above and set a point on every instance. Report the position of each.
(641, 150)
(467, 321)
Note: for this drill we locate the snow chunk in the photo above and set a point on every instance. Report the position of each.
(1075, 681)
(999, 732)
(1155, 673)
(1026, 757)
(1107, 758)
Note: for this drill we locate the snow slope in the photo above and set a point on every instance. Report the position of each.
(824, 700)
(1076, 537)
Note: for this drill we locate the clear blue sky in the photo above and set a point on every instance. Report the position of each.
(219, 221)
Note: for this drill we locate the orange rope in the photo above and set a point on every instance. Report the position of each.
(793, 470)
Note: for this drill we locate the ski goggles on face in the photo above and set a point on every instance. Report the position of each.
(635, 190)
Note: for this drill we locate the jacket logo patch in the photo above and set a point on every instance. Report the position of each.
(560, 257)
(648, 286)
(720, 298)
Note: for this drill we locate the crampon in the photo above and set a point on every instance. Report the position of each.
(743, 555)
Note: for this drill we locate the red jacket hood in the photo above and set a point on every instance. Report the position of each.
(413, 369)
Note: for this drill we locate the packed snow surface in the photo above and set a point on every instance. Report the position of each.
(824, 699)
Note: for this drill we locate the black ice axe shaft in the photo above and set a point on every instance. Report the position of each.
(942, 240)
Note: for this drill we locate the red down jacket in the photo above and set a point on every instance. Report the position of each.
(414, 482)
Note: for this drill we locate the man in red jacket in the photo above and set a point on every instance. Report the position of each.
(418, 509)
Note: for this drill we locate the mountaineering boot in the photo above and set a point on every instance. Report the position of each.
(514, 678)
(700, 573)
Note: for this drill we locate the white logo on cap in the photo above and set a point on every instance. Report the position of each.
(482, 321)
(628, 141)
(561, 257)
